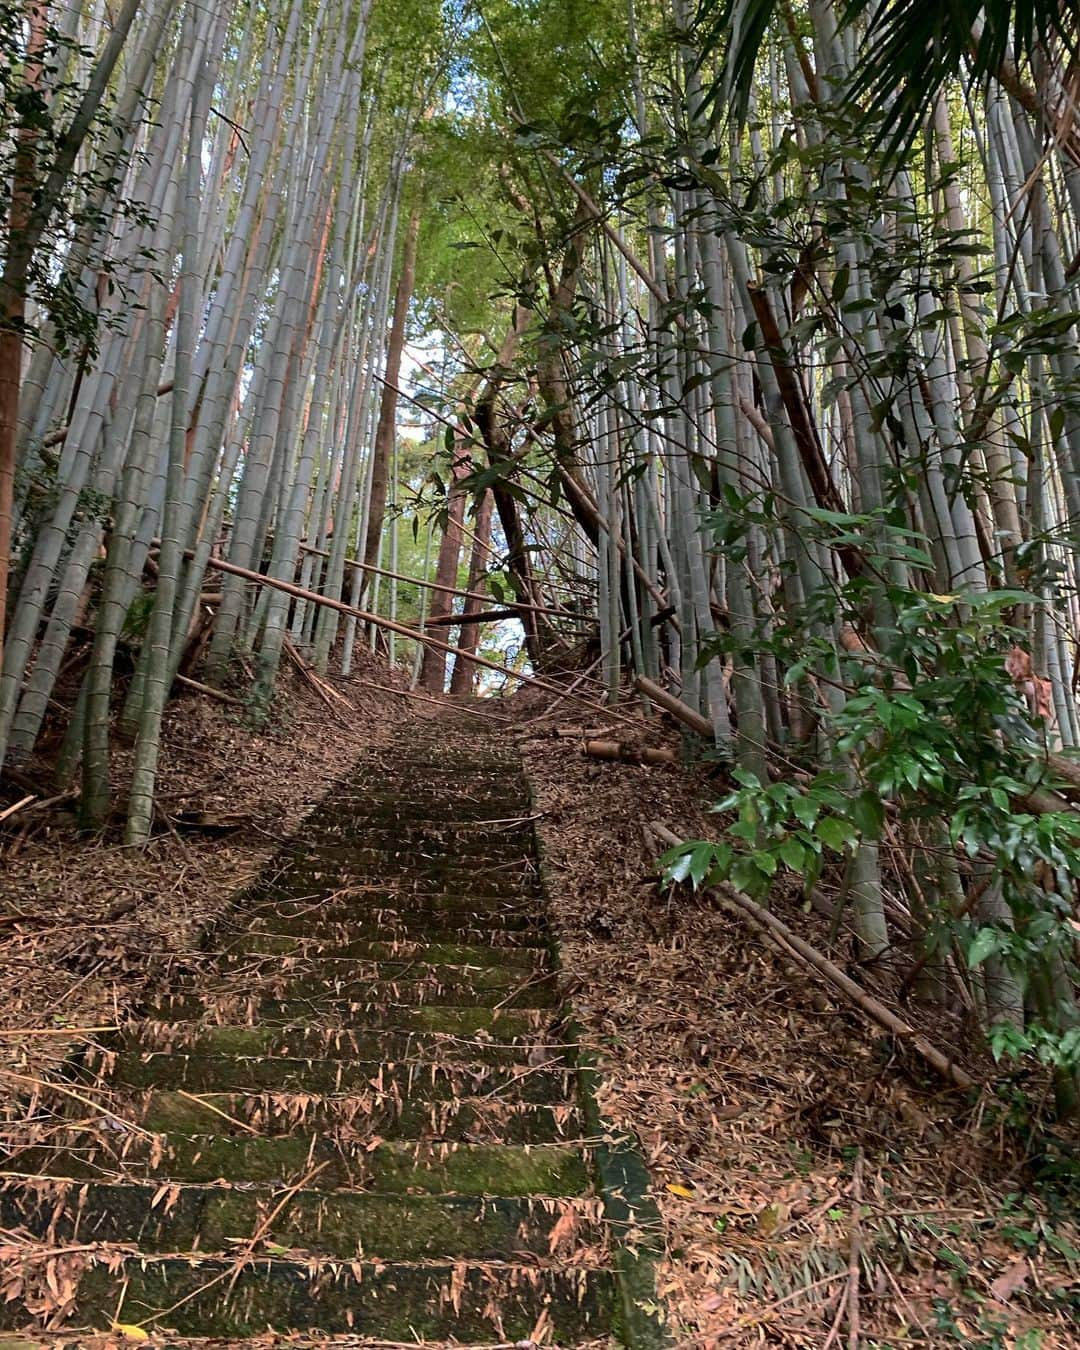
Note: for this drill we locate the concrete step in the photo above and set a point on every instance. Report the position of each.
(416, 1081)
(434, 1301)
(500, 1024)
(345, 996)
(374, 904)
(317, 947)
(346, 923)
(365, 1115)
(461, 808)
(315, 876)
(307, 961)
(344, 1224)
(387, 1167)
(502, 833)
(350, 1043)
(422, 837)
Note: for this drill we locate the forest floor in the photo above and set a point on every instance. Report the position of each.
(811, 1179)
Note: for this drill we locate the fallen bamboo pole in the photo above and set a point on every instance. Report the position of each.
(290, 588)
(356, 565)
(18, 806)
(788, 939)
(209, 691)
(464, 620)
(675, 706)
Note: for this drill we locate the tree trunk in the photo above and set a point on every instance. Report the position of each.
(461, 681)
(384, 433)
(433, 670)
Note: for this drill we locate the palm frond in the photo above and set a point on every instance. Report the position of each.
(909, 50)
(734, 31)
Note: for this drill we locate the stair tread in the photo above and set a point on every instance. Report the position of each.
(275, 1113)
(168, 1217)
(386, 1167)
(430, 1080)
(391, 1301)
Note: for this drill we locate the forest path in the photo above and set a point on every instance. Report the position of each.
(363, 1116)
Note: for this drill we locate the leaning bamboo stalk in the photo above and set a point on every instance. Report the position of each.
(789, 940)
(356, 564)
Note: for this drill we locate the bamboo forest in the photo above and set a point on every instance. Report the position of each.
(540, 678)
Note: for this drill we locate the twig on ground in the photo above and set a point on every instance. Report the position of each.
(855, 1254)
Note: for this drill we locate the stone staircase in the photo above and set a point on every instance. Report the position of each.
(360, 1115)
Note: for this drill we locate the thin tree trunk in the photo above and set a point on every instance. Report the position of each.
(386, 429)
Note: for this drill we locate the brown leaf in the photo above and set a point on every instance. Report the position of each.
(563, 1230)
(1010, 1280)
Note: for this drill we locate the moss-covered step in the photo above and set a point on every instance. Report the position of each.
(424, 839)
(317, 947)
(317, 885)
(346, 923)
(389, 1168)
(367, 906)
(309, 1041)
(339, 969)
(467, 808)
(359, 852)
(342, 997)
(390, 827)
(432, 1082)
(361, 1116)
(436, 1301)
(502, 1024)
(345, 1224)
(311, 875)
(440, 787)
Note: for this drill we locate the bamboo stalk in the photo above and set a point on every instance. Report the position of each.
(676, 707)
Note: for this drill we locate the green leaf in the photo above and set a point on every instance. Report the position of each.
(765, 862)
(836, 832)
(701, 861)
(806, 811)
(793, 854)
(868, 813)
(675, 864)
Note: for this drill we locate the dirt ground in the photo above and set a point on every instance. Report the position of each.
(813, 1177)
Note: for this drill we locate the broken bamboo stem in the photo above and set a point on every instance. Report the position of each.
(9, 811)
(209, 691)
(300, 593)
(355, 564)
(675, 706)
(628, 754)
